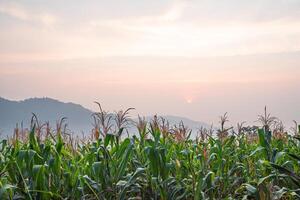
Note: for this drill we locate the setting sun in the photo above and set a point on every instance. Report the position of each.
(189, 100)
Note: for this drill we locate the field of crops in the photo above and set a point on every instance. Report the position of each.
(162, 162)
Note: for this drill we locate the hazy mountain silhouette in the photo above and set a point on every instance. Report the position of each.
(47, 109)
(79, 119)
(191, 124)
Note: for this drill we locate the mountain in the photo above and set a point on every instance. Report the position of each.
(46, 109)
(50, 110)
(191, 124)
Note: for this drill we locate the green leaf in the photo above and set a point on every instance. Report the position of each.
(294, 156)
(109, 138)
(258, 149)
(291, 174)
(4, 190)
(262, 180)
(124, 160)
(251, 189)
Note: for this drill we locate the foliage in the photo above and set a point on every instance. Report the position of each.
(162, 162)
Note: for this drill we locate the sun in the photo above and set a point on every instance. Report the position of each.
(189, 100)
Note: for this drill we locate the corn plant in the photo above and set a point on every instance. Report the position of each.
(162, 162)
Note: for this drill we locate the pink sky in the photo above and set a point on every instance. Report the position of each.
(197, 59)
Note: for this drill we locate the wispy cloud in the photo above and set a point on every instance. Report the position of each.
(21, 13)
(171, 28)
(175, 11)
(167, 16)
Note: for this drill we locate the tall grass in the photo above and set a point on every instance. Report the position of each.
(162, 162)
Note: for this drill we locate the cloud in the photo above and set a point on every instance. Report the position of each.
(175, 11)
(237, 11)
(19, 12)
(14, 10)
(171, 28)
(170, 14)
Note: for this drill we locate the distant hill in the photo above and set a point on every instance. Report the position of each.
(47, 109)
(191, 124)
(78, 118)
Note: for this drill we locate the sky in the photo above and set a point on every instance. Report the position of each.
(192, 58)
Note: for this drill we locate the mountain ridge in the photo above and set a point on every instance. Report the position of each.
(50, 110)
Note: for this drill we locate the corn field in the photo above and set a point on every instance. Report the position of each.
(161, 162)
